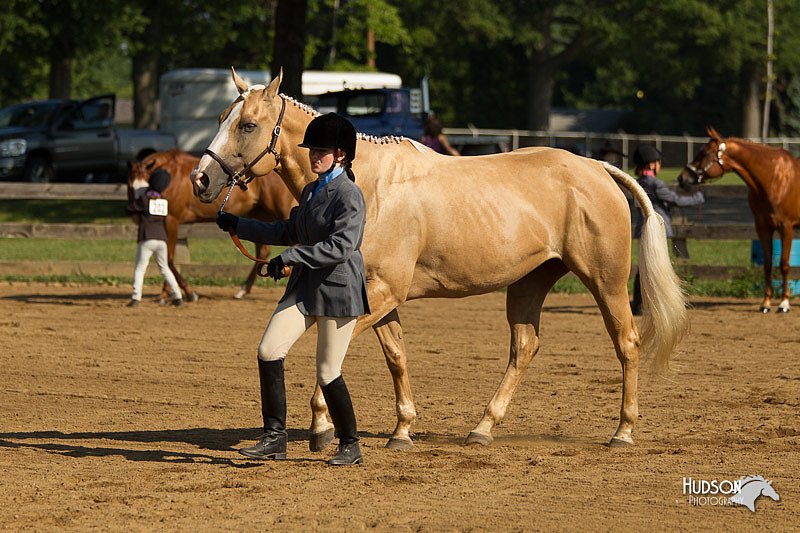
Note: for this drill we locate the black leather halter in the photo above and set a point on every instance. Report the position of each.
(244, 176)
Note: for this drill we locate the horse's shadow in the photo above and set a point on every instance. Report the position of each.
(203, 438)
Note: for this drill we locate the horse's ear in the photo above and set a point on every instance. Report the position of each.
(274, 86)
(713, 133)
(241, 86)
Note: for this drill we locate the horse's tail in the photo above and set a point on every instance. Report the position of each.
(664, 319)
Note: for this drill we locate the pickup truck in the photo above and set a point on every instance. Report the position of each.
(397, 111)
(50, 140)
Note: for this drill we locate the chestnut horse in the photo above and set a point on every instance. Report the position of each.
(266, 198)
(450, 227)
(772, 177)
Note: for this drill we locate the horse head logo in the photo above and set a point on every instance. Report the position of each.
(751, 488)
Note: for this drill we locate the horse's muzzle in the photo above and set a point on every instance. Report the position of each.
(200, 182)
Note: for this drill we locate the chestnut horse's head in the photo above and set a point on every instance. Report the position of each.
(707, 164)
(246, 142)
(139, 175)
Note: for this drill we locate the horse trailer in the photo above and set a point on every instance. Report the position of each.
(191, 99)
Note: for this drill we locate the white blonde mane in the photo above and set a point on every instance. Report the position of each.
(389, 139)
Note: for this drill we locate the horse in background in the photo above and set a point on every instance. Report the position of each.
(772, 176)
(451, 227)
(266, 198)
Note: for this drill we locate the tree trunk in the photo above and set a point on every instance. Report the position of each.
(751, 117)
(290, 45)
(60, 73)
(145, 89)
(541, 81)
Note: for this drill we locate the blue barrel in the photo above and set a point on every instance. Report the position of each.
(757, 258)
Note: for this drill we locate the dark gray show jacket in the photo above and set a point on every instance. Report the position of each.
(327, 265)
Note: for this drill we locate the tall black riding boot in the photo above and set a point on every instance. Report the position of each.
(272, 444)
(636, 304)
(344, 420)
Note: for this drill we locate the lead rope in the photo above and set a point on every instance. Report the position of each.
(261, 263)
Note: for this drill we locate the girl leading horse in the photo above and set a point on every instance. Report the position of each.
(447, 227)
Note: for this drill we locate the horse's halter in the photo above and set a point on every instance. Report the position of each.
(244, 176)
(700, 173)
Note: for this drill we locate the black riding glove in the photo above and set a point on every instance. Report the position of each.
(275, 268)
(227, 222)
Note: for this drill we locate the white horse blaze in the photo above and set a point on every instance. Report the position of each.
(221, 138)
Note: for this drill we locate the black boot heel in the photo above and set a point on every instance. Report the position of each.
(270, 447)
(347, 455)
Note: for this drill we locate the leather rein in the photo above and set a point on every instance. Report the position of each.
(242, 178)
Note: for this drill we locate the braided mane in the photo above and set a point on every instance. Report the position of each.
(388, 139)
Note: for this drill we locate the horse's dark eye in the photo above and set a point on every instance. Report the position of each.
(248, 127)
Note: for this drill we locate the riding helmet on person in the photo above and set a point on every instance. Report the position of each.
(159, 180)
(645, 154)
(332, 131)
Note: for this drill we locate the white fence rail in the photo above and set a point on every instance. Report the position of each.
(677, 149)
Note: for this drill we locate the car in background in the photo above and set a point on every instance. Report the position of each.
(71, 140)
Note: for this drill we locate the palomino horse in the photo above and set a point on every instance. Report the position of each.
(772, 176)
(266, 198)
(449, 227)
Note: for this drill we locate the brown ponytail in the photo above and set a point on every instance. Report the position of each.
(348, 167)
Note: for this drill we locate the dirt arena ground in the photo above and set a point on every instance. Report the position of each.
(128, 419)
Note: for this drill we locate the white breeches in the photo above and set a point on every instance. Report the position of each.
(145, 250)
(288, 324)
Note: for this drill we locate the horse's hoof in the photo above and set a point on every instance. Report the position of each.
(399, 444)
(782, 310)
(617, 442)
(162, 301)
(764, 310)
(478, 438)
(241, 293)
(194, 297)
(319, 441)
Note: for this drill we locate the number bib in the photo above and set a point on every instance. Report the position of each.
(158, 207)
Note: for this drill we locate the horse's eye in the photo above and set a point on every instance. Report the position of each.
(248, 127)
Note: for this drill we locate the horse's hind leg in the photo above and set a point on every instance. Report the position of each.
(262, 252)
(524, 302)
(172, 240)
(610, 291)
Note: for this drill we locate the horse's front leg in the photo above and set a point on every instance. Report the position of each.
(765, 232)
(321, 432)
(390, 336)
(262, 252)
(786, 251)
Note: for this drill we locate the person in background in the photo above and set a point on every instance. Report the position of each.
(327, 286)
(151, 211)
(433, 138)
(647, 159)
(611, 154)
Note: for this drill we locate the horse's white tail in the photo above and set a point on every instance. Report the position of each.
(664, 319)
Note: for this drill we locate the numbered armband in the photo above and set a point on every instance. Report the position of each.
(158, 207)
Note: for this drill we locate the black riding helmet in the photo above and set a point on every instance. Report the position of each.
(159, 180)
(331, 131)
(644, 154)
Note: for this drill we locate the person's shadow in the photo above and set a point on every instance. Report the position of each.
(71, 445)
